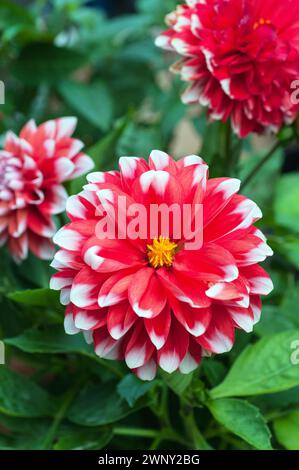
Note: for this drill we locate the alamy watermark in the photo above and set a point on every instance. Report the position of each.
(134, 221)
(295, 93)
(2, 353)
(295, 354)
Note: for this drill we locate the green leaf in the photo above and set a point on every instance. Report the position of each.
(214, 370)
(287, 430)
(36, 297)
(45, 63)
(21, 397)
(99, 405)
(131, 388)
(278, 318)
(84, 439)
(286, 207)
(264, 367)
(242, 419)
(93, 101)
(52, 340)
(177, 382)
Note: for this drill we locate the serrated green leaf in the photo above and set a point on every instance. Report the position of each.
(242, 419)
(264, 367)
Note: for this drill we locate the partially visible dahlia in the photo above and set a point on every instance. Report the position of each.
(152, 301)
(240, 57)
(33, 167)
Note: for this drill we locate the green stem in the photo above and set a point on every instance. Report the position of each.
(261, 163)
(140, 432)
(199, 442)
(60, 415)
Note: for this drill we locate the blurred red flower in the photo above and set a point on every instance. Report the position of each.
(33, 167)
(240, 57)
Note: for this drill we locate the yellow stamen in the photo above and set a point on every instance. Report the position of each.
(161, 252)
(261, 22)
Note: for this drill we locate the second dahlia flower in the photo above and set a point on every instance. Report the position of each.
(240, 58)
(33, 167)
(157, 300)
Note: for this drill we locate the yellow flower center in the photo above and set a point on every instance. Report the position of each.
(161, 252)
(261, 22)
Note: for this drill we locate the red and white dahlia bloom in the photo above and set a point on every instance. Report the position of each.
(152, 301)
(240, 57)
(33, 167)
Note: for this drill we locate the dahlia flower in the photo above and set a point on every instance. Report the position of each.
(156, 300)
(240, 58)
(33, 167)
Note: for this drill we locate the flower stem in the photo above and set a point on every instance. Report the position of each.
(198, 441)
(140, 432)
(260, 164)
(60, 415)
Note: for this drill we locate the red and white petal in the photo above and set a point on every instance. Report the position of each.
(82, 164)
(72, 236)
(130, 169)
(85, 289)
(41, 224)
(195, 320)
(41, 247)
(219, 192)
(115, 289)
(175, 349)
(109, 255)
(184, 288)
(103, 343)
(158, 327)
(159, 160)
(233, 221)
(55, 200)
(69, 324)
(192, 358)
(120, 319)
(19, 247)
(62, 279)
(248, 250)
(219, 337)
(242, 317)
(89, 319)
(148, 371)
(146, 295)
(215, 264)
(139, 348)
(259, 280)
(157, 187)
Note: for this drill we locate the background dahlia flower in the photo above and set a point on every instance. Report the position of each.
(240, 57)
(153, 302)
(33, 167)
